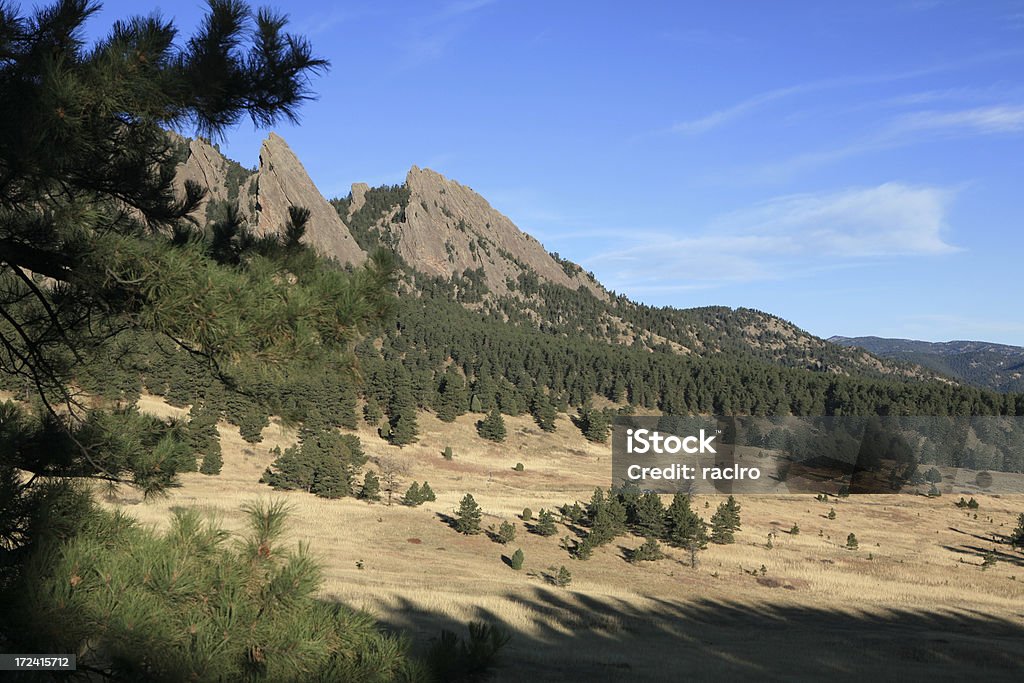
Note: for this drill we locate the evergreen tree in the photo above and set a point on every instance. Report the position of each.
(99, 259)
(594, 424)
(649, 516)
(447, 453)
(452, 399)
(545, 523)
(506, 532)
(564, 577)
(543, 411)
(413, 496)
(517, 559)
(851, 542)
(371, 487)
(1017, 536)
(492, 427)
(683, 527)
(650, 551)
(427, 493)
(725, 522)
(467, 518)
(402, 410)
(212, 459)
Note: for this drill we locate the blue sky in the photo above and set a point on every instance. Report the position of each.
(855, 168)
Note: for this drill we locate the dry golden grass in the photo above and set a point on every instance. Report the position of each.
(911, 598)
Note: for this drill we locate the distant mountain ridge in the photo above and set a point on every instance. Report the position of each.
(983, 364)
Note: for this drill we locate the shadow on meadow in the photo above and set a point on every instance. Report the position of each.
(574, 636)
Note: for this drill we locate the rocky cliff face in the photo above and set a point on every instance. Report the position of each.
(281, 181)
(447, 228)
(263, 197)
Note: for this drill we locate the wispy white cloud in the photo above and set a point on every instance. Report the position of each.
(996, 119)
(746, 106)
(787, 237)
(902, 130)
(723, 116)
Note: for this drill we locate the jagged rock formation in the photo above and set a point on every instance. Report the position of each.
(444, 229)
(447, 228)
(203, 163)
(264, 196)
(281, 181)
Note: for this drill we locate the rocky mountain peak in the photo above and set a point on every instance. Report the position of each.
(447, 228)
(282, 181)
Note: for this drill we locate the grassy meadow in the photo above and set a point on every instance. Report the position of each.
(911, 602)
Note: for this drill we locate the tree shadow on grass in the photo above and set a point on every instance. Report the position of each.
(609, 639)
(980, 552)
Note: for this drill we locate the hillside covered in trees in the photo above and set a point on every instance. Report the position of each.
(982, 364)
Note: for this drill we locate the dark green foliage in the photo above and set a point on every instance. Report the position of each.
(324, 463)
(372, 412)
(492, 427)
(190, 604)
(516, 561)
(212, 460)
(543, 411)
(453, 659)
(683, 527)
(252, 424)
(595, 424)
(452, 399)
(413, 496)
(447, 453)
(650, 551)
(988, 560)
(371, 487)
(1017, 535)
(427, 493)
(933, 476)
(725, 522)
(506, 532)
(574, 513)
(378, 202)
(851, 542)
(648, 516)
(563, 578)
(832, 513)
(519, 467)
(204, 440)
(527, 515)
(580, 550)
(794, 530)
(467, 517)
(606, 518)
(545, 525)
(403, 428)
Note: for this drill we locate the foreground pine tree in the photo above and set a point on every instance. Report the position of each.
(98, 251)
(192, 603)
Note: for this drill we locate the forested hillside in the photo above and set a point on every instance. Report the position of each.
(982, 364)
